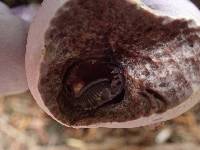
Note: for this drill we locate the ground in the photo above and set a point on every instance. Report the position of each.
(24, 126)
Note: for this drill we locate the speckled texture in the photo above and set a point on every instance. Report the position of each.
(159, 72)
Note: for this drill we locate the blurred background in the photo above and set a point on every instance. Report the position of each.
(24, 126)
(13, 3)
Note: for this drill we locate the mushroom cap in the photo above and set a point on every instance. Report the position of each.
(12, 53)
(36, 43)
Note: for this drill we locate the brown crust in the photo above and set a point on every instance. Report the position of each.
(106, 30)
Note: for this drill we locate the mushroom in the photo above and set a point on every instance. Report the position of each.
(114, 63)
(12, 52)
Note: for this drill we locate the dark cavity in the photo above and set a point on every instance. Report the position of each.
(91, 84)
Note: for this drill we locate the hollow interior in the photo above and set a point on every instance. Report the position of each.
(94, 65)
(92, 83)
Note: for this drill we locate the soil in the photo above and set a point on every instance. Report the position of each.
(24, 126)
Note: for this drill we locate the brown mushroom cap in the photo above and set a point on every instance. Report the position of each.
(36, 52)
(12, 53)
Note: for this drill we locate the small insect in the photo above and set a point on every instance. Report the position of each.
(98, 89)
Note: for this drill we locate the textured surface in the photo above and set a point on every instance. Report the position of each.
(154, 54)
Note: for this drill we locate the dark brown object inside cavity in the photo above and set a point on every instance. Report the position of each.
(91, 47)
(92, 83)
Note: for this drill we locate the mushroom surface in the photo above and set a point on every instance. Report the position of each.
(114, 63)
(12, 52)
